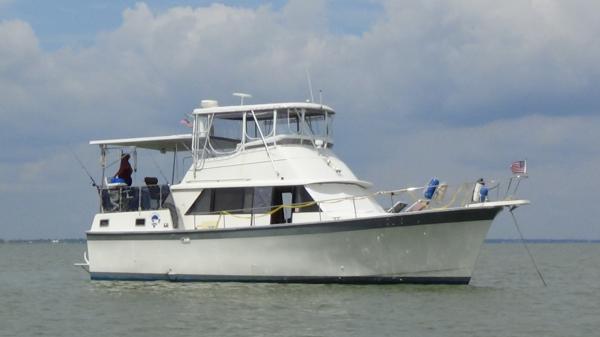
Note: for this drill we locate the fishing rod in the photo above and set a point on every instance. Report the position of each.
(84, 168)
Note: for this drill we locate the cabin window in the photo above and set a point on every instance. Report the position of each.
(140, 222)
(203, 203)
(104, 223)
(287, 122)
(329, 125)
(301, 196)
(262, 199)
(228, 199)
(231, 200)
(265, 122)
(227, 128)
(317, 125)
(253, 200)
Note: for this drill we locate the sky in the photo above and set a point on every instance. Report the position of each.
(454, 89)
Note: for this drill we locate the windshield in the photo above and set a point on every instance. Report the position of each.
(228, 132)
(317, 125)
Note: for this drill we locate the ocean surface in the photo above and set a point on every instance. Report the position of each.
(43, 294)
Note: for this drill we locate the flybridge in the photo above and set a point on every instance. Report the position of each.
(221, 131)
(244, 126)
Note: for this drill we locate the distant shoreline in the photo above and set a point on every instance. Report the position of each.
(43, 241)
(542, 241)
(492, 241)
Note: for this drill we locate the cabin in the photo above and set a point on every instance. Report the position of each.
(251, 165)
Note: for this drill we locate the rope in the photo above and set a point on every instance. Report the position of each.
(527, 248)
(271, 212)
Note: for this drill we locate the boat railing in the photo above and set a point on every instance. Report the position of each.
(133, 198)
(449, 196)
(411, 199)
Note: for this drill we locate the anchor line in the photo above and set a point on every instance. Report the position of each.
(527, 248)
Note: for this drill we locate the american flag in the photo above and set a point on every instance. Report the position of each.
(519, 167)
(186, 122)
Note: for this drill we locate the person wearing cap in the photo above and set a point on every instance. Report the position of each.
(125, 170)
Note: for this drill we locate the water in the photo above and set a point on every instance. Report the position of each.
(42, 294)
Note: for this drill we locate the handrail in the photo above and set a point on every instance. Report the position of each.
(132, 198)
(265, 143)
(461, 191)
(112, 200)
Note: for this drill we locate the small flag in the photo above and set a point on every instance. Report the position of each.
(519, 167)
(185, 122)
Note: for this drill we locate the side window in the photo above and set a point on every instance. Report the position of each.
(202, 205)
(229, 199)
(301, 196)
(262, 199)
(248, 200)
(253, 200)
(232, 200)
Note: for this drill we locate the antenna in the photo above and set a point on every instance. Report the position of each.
(320, 96)
(312, 97)
(242, 96)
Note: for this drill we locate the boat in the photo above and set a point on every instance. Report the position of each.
(265, 199)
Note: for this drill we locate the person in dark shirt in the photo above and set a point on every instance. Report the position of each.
(125, 170)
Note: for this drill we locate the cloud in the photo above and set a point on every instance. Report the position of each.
(461, 86)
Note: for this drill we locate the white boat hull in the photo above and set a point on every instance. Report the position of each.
(429, 247)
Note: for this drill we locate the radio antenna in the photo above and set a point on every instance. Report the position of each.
(312, 97)
(241, 95)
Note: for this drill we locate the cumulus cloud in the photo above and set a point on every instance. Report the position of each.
(448, 84)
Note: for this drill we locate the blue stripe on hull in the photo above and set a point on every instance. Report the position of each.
(280, 279)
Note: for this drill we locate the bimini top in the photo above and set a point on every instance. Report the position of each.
(162, 143)
(234, 111)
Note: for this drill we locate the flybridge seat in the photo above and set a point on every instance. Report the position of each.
(154, 198)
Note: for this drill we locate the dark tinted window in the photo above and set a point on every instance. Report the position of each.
(229, 199)
(301, 196)
(202, 204)
(232, 200)
(251, 200)
(262, 199)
